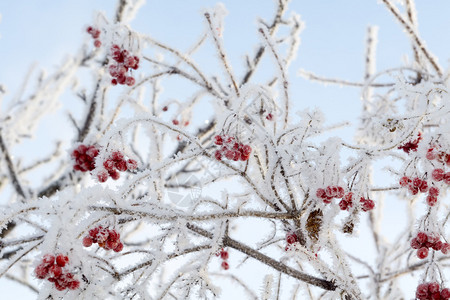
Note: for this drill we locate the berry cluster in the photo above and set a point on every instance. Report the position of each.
(432, 291)
(106, 238)
(440, 156)
(95, 33)
(125, 62)
(417, 185)
(291, 238)
(347, 202)
(422, 242)
(224, 256)
(84, 158)
(331, 192)
(411, 145)
(115, 163)
(51, 268)
(231, 149)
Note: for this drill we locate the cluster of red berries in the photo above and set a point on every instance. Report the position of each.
(84, 158)
(231, 149)
(441, 175)
(51, 268)
(432, 291)
(417, 185)
(422, 242)
(224, 256)
(95, 33)
(440, 156)
(347, 202)
(106, 238)
(411, 145)
(331, 192)
(291, 238)
(116, 162)
(124, 62)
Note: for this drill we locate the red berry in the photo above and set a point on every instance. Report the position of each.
(434, 191)
(445, 248)
(165, 108)
(87, 241)
(320, 193)
(431, 200)
(269, 117)
(225, 265)
(48, 260)
(340, 192)
(423, 186)
(121, 165)
(404, 181)
(433, 287)
(433, 238)
(422, 252)
(97, 43)
(89, 29)
(41, 271)
(437, 174)
(218, 155)
(55, 270)
(431, 154)
(95, 33)
(447, 178)
(415, 243)
(218, 140)
(130, 81)
(291, 238)
(73, 285)
(437, 246)
(445, 293)
(367, 204)
(61, 259)
(118, 248)
(175, 122)
(224, 254)
(229, 154)
(343, 205)
(102, 176)
(422, 237)
(132, 164)
(436, 296)
(114, 81)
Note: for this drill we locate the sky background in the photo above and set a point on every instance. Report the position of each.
(332, 45)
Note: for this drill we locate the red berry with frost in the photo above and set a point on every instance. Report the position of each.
(447, 178)
(121, 165)
(431, 200)
(48, 260)
(423, 186)
(437, 246)
(132, 164)
(218, 140)
(218, 155)
(415, 244)
(422, 252)
(73, 285)
(97, 43)
(320, 193)
(433, 287)
(404, 181)
(445, 294)
(130, 81)
(175, 122)
(269, 117)
(225, 265)
(340, 192)
(114, 174)
(118, 248)
(224, 254)
(291, 238)
(55, 270)
(422, 237)
(87, 241)
(434, 191)
(102, 176)
(62, 260)
(445, 248)
(343, 205)
(41, 271)
(165, 108)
